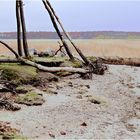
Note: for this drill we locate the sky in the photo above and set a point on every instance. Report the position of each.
(76, 15)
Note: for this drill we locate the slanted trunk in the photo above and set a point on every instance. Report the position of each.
(58, 31)
(9, 48)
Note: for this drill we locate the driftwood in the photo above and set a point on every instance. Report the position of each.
(9, 48)
(8, 60)
(44, 68)
(105, 60)
(120, 61)
(53, 69)
(58, 31)
(44, 63)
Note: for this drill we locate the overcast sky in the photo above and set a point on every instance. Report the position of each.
(76, 15)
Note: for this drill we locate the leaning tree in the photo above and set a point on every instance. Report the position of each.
(23, 55)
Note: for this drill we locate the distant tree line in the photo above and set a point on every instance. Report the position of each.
(75, 35)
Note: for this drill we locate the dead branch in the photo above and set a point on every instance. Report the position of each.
(120, 61)
(53, 69)
(60, 49)
(8, 47)
(8, 60)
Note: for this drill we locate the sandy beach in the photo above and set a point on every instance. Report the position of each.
(71, 115)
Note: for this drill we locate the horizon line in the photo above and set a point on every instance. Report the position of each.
(74, 31)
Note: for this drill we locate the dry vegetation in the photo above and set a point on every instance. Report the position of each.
(96, 47)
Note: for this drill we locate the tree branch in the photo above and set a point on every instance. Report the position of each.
(8, 47)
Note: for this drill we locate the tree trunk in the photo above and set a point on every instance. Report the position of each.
(67, 34)
(24, 33)
(18, 28)
(58, 31)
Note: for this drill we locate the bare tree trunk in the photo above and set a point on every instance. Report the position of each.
(18, 29)
(24, 33)
(54, 69)
(67, 34)
(58, 31)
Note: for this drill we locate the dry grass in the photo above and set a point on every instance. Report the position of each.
(97, 47)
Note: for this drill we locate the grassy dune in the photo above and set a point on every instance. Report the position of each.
(96, 47)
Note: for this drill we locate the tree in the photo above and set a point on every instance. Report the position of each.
(18, 29)
(21, 25)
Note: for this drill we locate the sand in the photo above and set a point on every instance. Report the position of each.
(70, 114)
